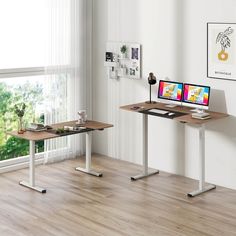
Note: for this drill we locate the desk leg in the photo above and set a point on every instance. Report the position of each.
(145, 173)
(88, 158)
(31, 183)
(202, 187)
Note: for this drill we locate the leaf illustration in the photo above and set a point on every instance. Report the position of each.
(219, 36)
(228, 31)
(223, 38)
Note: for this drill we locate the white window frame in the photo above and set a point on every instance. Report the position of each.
(23, 161)
(21, 72)
(19, 162)
(33, 71)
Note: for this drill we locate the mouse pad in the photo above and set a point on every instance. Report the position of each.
(176, 114)
(66, 133)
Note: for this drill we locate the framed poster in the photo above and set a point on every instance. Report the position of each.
(221, 50)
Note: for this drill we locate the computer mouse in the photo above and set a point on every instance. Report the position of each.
(171, 114)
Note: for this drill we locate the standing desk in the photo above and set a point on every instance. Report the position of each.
(184, 116)
(32, 137)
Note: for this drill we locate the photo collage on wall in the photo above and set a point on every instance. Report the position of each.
(123, 60)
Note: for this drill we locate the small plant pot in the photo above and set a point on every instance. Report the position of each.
(20, 129)
(123, 55)
(223, 56)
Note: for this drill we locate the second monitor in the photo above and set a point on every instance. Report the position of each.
(196, 96)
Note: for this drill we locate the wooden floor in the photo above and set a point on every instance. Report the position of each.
(80, 204)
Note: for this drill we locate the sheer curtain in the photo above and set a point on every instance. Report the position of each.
(68, 80)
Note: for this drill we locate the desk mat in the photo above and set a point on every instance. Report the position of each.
(176, 114)
(66, 133)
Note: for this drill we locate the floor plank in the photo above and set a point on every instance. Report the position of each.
(79, 204)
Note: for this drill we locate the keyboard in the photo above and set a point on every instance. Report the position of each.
(158, 111)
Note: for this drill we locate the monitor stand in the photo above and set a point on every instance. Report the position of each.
(199, 113)
(197, 110)
(171, 105)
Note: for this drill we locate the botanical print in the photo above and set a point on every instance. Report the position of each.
(221, 50)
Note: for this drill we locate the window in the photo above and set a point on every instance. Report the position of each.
(38, 93)
(24, 32)
(30, 42)
(13, 91)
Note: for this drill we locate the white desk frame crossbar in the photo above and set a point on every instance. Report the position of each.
(87, 169)
(146, 172)
(202, 187)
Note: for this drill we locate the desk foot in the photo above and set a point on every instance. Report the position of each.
(90, 172)
(141, 176)
(38, 189)
(199, 191)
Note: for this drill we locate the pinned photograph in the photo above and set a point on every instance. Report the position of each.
(132, 71)
(109, 56)
(135, 53)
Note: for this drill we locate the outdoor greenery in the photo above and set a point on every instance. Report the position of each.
(30, 94)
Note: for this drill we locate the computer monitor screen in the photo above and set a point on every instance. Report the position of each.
(196, 95)
(170, 90)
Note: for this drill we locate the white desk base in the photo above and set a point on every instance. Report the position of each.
(36, 188)
(203, 190)
(146, 172)
(87, 169)
(202, 187)
(31, 183)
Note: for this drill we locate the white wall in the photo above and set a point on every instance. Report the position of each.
(173, 38)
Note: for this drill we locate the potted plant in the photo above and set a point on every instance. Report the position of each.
(123, 51)
(224, 40)
(20, 111)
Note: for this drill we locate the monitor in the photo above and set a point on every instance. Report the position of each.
(196, 96)
(171, 92)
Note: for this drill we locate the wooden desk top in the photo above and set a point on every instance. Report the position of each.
(43, 135)
(185, 118)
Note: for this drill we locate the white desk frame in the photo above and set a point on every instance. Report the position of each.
(202, 187)
(145, 172)
(31, 183)
(87, 169)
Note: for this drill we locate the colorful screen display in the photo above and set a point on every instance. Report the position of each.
(170, 90)
(196, 94)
